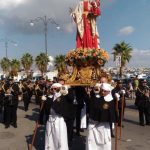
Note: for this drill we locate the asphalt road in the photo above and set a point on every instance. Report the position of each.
(134, 137)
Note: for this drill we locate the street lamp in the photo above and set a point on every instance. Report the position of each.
(45, 20)
(6, 41)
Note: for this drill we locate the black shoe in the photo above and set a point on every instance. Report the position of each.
(148, 124)
(142, 124)
(26, 110)
(7, 126)
(14, 125)
(120, 126)
(81, 130)
(112, 135)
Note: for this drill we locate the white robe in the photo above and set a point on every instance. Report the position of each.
(56, 134)
(83, 118)
(99, 137)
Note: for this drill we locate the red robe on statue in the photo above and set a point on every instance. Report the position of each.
(85, 18)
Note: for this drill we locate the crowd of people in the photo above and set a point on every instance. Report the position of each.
(64, 107)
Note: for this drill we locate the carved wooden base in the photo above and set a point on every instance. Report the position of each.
(87, 75)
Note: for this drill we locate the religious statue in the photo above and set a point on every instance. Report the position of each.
(85, 15)
(87, 58)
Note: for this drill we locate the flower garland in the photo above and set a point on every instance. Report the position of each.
(87, 57)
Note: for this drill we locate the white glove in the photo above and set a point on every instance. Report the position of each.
(117, 96)
(123, 91)
(19, 98)
(43, 98)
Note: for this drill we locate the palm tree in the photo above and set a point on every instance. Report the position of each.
(125, 51)
(5, 65)
(60, 64)
(42, 61)
(27, 61)
(15, 67)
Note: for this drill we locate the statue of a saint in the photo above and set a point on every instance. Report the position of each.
(85, 15)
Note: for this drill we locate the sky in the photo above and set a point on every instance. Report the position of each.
(120, 20)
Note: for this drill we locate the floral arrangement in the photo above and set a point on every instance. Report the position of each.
(87, 57)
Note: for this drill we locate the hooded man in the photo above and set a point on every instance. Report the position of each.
(101, 113)
(56, 131)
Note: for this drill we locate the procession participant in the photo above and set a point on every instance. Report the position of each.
(56, 131)
(129, 90)
(4, 86)
(135, 83)
(80, 97)
(69, 109)
(85, 15)
(103, 79)
(48, 102)
(55, 80)
(101, 113)
(49, 82)
(121, 101)
(25, 95)
(10, 105)
(90, 92)
(41, 91)
(16, 93)
(8, 98)
(143, 103)
(30, 89)
(61, 81)
(1, 98)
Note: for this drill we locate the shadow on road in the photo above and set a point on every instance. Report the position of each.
(34, 116)
(131, 107)
(39, 139)
(39, 142)
(78, 143)
(131, 121)
(21, 107)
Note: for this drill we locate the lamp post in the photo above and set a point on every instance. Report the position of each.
(6, 41)
(45, 21)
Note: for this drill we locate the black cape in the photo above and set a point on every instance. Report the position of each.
(101, 110)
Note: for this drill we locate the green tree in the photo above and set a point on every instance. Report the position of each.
(5, 65)
(15, 67)
(59, 63)
(125, 51)
(27, 61)
(42, 61)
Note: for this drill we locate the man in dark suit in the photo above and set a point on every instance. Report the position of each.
(80, 94)
(70, 111)
(121, 101)
(143, 103)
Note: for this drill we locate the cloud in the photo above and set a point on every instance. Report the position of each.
(7, 4)
(126, 30)
(140, 58)
(145, 53)
(16, 14)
